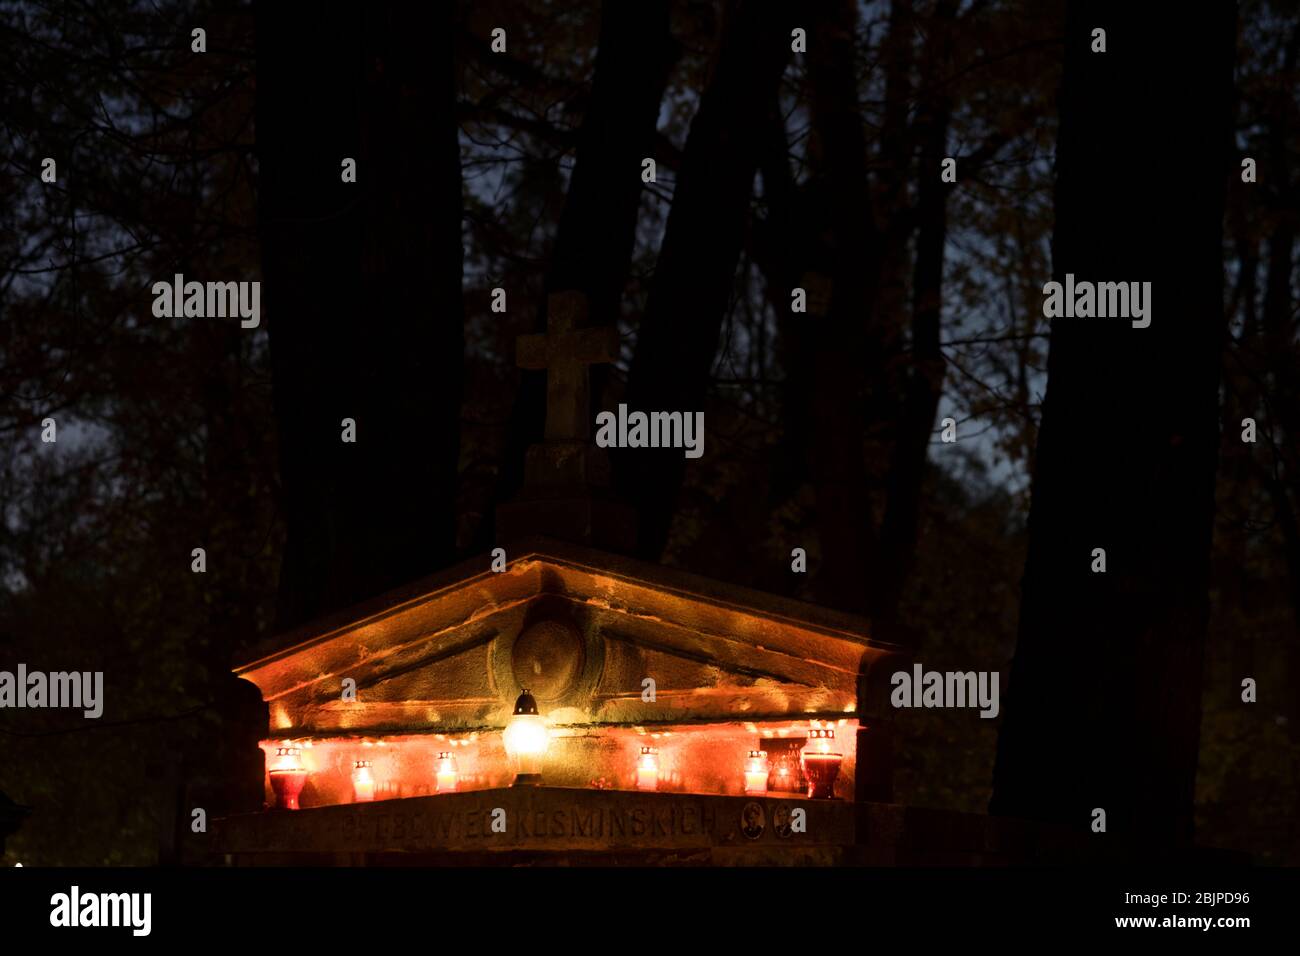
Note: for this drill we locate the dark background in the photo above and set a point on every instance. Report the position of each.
(521, 170)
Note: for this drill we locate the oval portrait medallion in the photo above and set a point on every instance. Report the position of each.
(548, 659)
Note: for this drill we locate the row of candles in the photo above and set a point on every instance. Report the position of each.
(526, 739)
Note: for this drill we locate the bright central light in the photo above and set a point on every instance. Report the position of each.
(526, 738)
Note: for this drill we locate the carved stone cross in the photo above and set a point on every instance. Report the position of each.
(565, 351)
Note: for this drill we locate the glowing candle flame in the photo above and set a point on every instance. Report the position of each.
(756, 772)
(447, 773)
(526, 739)
(647, 769)
(363, 782)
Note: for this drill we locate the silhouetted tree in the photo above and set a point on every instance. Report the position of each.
(1105, 690)
(677, 339)
(363, 293)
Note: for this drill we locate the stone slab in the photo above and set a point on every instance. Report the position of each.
(541, 819)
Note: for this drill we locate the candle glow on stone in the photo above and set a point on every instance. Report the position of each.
(526, 738)
(756, 772)
(447, 773)
(821, 763)
(288, 776)
(647, 769)
(363, 782)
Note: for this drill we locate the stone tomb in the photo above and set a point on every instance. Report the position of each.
(619, 656)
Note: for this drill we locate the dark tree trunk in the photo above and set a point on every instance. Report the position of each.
(1237, 467)
(924, 382)
(224, 775)
(779, 250)
(1105, 690)
(693, 281)
(1281, 428)
(1279, 346)
(597, 231)
(848, 339)
(598, 227)
(362, 293)
(892, 198)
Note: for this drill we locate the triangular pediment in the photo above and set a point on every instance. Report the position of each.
(600, 639)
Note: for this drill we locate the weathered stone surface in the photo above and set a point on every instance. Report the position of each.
(437, 656)
(565, 350)
(544, 819)
(700, 759)
(619, 654)
(556, 826)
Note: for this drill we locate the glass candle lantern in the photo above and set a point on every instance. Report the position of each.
(756, 772)
(363, 782)
(288, 775)
(647, 769)
(526, 739)
(447, 774)
(821, 763)
(785, 764)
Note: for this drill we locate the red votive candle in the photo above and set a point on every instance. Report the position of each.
(288, 776)
(821, 763)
